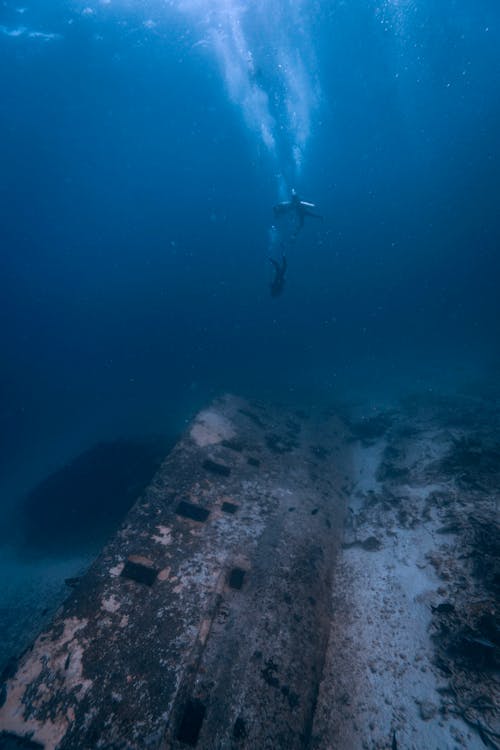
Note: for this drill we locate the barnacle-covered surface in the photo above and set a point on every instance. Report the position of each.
(205, 620)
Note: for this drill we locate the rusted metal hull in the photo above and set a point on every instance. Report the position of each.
(205, 620)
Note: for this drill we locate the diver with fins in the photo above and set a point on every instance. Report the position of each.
(296, 206)
(299, 209)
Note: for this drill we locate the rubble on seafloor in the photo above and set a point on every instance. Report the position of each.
(414, 645)
(290, 579)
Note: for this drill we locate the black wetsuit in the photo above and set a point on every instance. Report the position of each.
(278, 283)
(301, 209)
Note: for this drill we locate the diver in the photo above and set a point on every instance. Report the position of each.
(301, 209)
(278, 283)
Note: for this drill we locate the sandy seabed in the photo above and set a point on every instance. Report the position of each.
(412, 660)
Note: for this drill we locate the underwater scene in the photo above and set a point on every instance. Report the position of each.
(250, 374)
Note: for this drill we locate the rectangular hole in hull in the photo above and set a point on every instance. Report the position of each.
(215, 468)
(236, 578)
(192, 719)
(191, 511)
(229, 507)
(139, 572)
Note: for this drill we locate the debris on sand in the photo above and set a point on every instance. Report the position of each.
(414, 645)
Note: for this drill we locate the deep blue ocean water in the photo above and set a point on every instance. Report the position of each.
(142, 147)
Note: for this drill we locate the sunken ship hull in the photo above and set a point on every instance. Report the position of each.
(205, 621)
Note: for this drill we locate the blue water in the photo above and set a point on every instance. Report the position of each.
(142, 147)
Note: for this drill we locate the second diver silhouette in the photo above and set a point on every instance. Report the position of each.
(278, 282)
